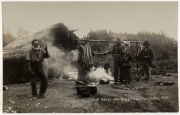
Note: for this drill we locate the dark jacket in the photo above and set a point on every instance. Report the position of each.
(36, 57)
(146, 55)
(118, 52)
(127, 61)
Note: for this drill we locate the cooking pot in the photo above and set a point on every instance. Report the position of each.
(85, 92)
(78, 89)
(93, 89)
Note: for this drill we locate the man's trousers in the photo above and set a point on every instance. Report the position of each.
(37, 69)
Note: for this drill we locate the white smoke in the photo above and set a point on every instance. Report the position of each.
(71, 72)
(98, 74)
(60, 64)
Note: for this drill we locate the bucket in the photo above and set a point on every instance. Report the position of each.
(78, 89)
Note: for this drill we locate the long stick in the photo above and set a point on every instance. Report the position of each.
(107, 41)
(136, 58)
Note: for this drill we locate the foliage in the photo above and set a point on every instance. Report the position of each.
(164, 47)
(159, 41)
(165, 55)
(100, 35)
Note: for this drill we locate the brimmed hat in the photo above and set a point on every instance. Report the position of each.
(146, 42)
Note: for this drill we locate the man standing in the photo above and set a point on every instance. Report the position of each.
(35, 58)
(145, 57)
(118, 52)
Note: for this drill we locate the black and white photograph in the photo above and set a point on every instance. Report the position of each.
(90, 57)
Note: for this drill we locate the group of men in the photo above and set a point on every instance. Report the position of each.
(122, 63)
(121, 58)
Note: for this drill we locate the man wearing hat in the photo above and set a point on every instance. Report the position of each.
(145, 57)
(118, 52)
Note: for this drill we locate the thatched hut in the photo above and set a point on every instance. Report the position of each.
(14, 65)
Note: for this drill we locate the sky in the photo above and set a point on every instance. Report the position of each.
(130, 17)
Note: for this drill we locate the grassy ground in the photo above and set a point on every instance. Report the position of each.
(61, 97)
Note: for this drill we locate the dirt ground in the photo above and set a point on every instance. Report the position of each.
(61, 97)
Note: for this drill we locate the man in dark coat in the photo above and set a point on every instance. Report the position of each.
(118, 52)
(145, 57)
(35, 58)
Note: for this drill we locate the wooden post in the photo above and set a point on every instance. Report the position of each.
(136, 58)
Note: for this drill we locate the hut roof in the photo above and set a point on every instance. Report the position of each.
(59, 35)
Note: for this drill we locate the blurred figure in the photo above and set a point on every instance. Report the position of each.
(145, 57)
(107, 69)
(126, 64)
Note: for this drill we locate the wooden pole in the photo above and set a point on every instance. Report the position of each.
(68, 48)
(108, 41)
(136, 58)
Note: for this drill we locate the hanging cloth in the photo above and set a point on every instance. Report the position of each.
(140, 47)
(84, 59)
(127, 45)
(87, 54)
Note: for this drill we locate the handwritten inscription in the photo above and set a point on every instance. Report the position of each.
(104, 99)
